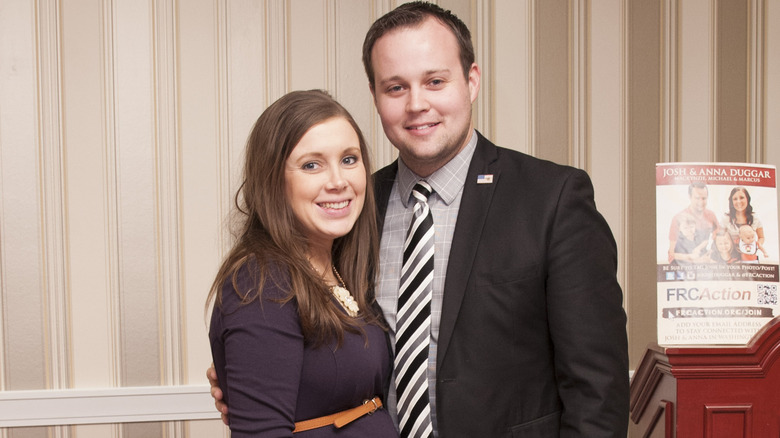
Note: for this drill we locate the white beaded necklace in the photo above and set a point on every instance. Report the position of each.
(343, 296)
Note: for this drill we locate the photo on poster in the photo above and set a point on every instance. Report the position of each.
(717, 252)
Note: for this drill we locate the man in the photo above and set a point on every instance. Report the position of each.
(527, 334)
(706, 221)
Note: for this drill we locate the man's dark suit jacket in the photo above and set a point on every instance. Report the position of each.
(532, 341)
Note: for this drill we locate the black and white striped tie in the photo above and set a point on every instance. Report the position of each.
(413, 321)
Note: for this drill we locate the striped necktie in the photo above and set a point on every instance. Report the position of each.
(413, 326)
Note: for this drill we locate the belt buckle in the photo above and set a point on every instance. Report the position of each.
(375, 405)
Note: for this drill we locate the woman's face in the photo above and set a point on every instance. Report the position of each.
(739, 200)
(326, 181)
(723, 243)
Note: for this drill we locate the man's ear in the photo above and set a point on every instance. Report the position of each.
(475, 74)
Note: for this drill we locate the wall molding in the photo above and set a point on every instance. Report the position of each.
(757, 36)
(533, 110)
(106, 405)
(110, 175)
(670, 115)
(55, 259)
(712, 127)
(222, 91)
(277, 51)
(172, 297)
(578, 77)
(485, 59)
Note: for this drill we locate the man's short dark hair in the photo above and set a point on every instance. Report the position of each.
(413, 14)
(697, 185)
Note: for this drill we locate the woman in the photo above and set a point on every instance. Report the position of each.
(294, 333)
(723, 251)
(741, 213)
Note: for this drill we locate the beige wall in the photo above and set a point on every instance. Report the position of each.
(122, 124)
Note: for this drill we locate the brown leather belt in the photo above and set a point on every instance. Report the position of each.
(340, 419)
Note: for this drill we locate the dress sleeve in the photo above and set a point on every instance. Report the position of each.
(258, 353)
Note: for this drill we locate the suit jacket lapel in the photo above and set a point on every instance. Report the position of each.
(474, 206)
(383, 186)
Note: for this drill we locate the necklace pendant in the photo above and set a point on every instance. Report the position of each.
(343, 296)
(345, 299)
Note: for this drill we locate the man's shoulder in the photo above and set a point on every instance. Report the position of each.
(512, 160)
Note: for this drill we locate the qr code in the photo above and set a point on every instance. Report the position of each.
(767, 294)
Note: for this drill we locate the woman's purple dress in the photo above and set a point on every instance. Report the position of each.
(270, 379)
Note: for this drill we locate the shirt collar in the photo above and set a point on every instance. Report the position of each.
(447, 182)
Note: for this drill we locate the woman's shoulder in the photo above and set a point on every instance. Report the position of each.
(252, 280)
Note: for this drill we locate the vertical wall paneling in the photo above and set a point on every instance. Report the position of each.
(22, 265)
(204, 191)
(485, 59)
(55, 257)
(28, 185)
(350, 23)
(644, 149)
(223, 110)
(772, 83)
(511, 73)
(332, 42)
(312, 32)
(771, 100)
(757, 36)
(136, 197)
(277, 56)
(551, 81)
(533, 114)
(167, 152)
(85, 136)
(137, 202)
(55, 280)
(384, 152)
(247, 89)
(606, 115)
(578, 16)
(622, 234)
(733, 81)
(696, 72)
(669, 149)
(714, 80)
(111, 218)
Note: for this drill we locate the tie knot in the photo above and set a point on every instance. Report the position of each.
(421, 191)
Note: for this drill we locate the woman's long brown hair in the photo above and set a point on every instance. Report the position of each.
(269, 236)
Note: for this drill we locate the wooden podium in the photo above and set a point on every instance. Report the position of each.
(713, 392)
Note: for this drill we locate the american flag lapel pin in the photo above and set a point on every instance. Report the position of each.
(485, 179)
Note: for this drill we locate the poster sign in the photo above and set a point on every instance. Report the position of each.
(717, 252)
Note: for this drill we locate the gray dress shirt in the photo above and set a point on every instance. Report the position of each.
(447, 183)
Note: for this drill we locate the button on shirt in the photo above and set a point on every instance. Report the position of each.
(447, 183)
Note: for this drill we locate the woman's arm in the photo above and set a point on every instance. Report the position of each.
(760, 240)
(259, 367)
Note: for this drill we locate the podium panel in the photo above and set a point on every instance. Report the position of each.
(712, 392)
